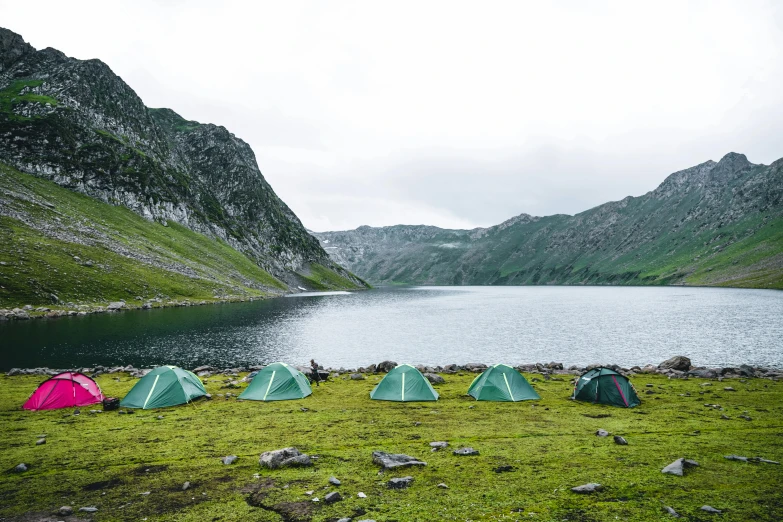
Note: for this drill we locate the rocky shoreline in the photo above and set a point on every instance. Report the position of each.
(678, 367)
(73, 309)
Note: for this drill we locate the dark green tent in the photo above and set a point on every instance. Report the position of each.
(501, 383)
(164, 386)
(606, 386)
(277, 382)
(404, 384)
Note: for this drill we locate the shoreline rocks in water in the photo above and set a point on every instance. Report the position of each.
(548, 370)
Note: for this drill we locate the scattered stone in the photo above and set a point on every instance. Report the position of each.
(710, 509)
(230, 459)
(65, 511)
(361, 495)
(746, 417)
(385, 366)
(728, 388)
(88, 509)
(442, 486)
(159, 417)
(725, 417)
(334, 481)
(602, 433)
(678, 362)
(357, 377)
(587, 488)
(185, 486)
(437, 445)
(316, 499)
(309, 493)
(285, 457)
(20, 467)
(736, 457)
(344, 519)
(466, 452)
(145, 493)
(400, 483)
(395, 460)
(678, 467)
(503, 469)
(671, 511)
(40, 441)
(620, 440)
(434, 378)
(117, 305)
(332, 497)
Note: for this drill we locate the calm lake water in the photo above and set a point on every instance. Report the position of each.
(428, 325)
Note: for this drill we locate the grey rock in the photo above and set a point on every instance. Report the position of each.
(344, 519)
(602, 433)
(286, 457)
(385, 366)
(710, 509)
(434, 378)
(587, 488)
(728, 388)
(20, 467)
(357, 377)
(334, 481)
(186, 486)
(439, 445)
(65, 511)
(671, 511)
(678, 362)
(400, 483)
(361, 495)
(442, 486)
(395, 460)
(230, 459)
(678, 467)
(88, 509)
(116, 305)
(736, 457)
(620, 440)
(332, 497)
(466, 452)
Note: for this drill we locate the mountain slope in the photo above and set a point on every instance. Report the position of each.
(77, 124)
(713, 224)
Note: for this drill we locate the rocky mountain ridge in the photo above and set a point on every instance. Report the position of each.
(712, 224)
(76, 123)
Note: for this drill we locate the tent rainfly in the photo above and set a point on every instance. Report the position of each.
(404, 384)
(162, 387)
(64, 390)
(606, 386)
(277, 382)
(502, 383)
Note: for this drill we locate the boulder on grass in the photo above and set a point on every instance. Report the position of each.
(282, 458)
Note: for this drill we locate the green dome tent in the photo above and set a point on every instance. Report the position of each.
(164, 386)
(605, 386)
(404, 384)
(502, 383)
(277, 382)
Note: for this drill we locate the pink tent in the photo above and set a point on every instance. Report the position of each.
(64, 390)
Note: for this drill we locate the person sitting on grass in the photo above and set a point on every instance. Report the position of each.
(314, 369)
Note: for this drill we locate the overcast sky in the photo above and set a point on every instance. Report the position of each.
(455, 114)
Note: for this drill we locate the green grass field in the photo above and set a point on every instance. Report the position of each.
(109, 460)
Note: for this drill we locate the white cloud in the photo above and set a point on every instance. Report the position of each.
(449, 113)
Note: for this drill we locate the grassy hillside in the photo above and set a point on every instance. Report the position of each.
(717, 224)
(111, 461)
(54, 241)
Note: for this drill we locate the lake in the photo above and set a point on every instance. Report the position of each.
(428, 325)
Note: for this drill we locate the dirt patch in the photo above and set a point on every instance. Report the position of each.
(294, 511)
(597, 415)
(257, 491)
(103, 484)
(42, 516)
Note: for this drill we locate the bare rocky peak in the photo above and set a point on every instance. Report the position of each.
(12, 48)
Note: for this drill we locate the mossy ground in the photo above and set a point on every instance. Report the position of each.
(109, 460)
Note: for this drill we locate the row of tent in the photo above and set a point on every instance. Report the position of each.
(170, 386)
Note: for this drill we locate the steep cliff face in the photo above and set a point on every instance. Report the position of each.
(712, 224)
(78, 124)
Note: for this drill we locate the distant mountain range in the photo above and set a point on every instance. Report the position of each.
(78, 125)
(715, 224)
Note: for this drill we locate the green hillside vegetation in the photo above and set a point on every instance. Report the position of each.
(716, 224)
(57, 242)
(133, 467)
